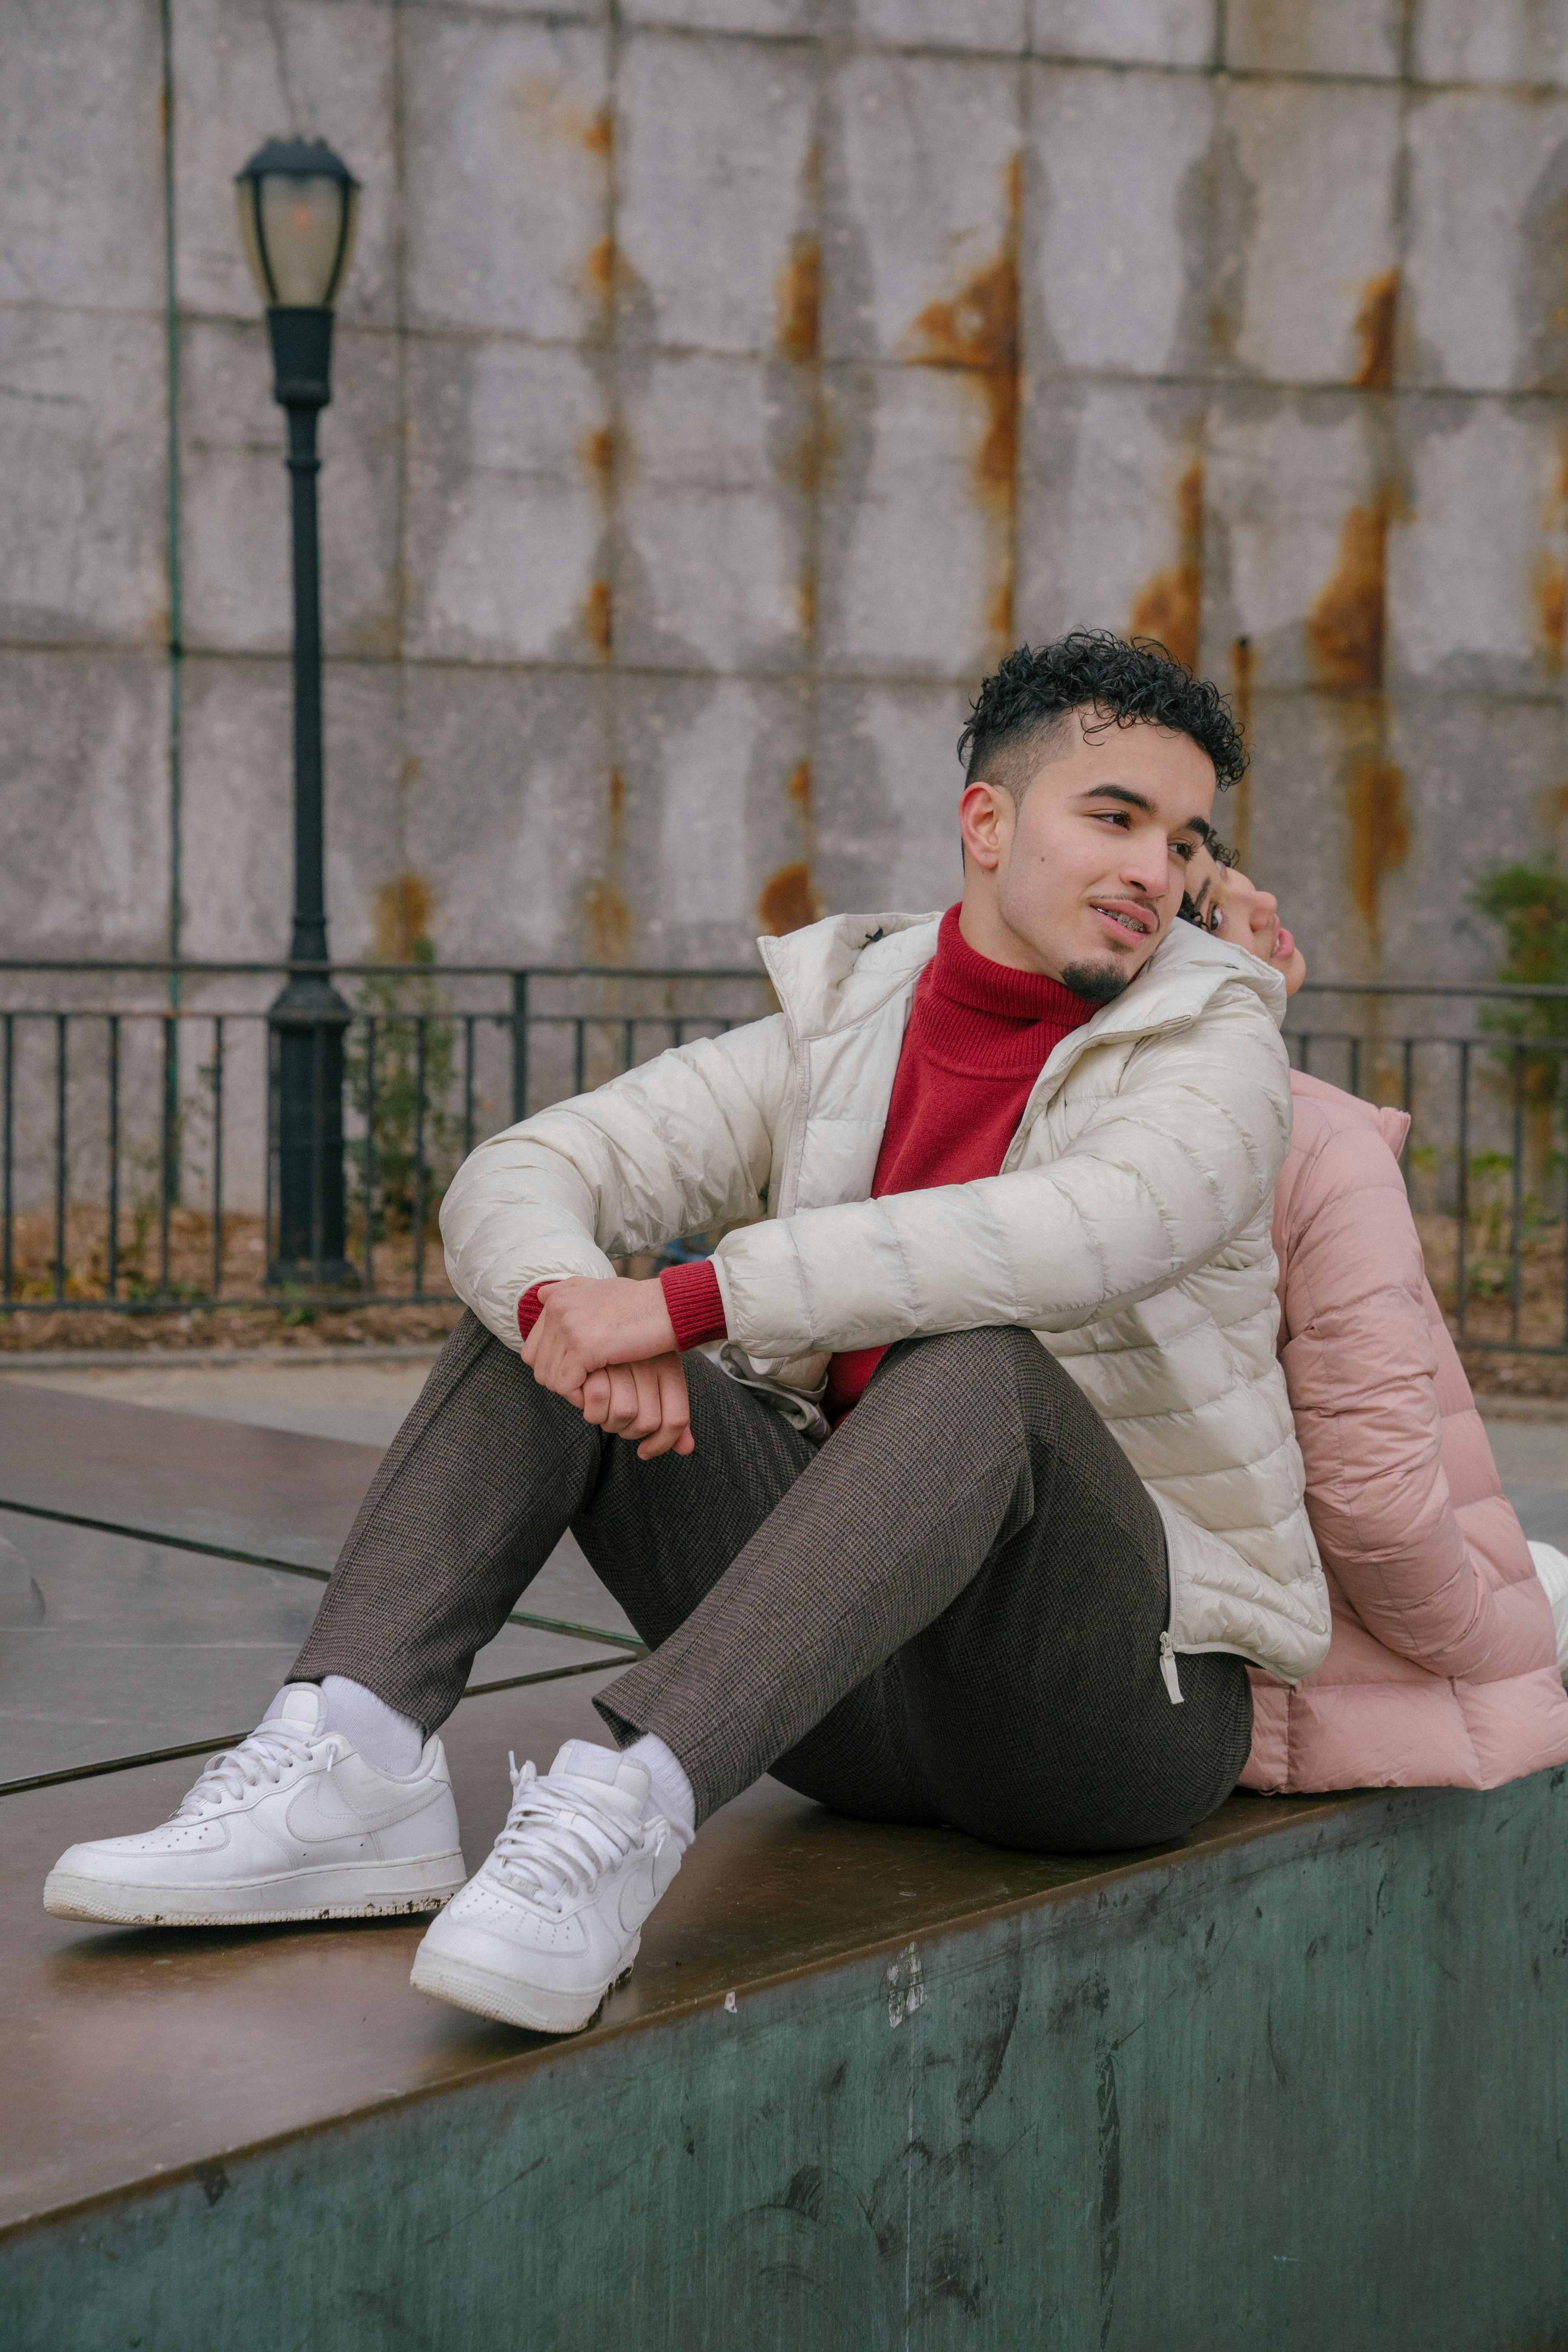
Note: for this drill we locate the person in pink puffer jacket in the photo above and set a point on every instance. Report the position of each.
(1443, 1668)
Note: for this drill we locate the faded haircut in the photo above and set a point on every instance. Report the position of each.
(1024, 713)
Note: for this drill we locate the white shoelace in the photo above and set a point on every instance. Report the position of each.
(265, 1754)
(558, 1841)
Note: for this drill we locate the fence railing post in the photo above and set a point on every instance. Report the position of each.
(60, 1151)
(111, 1256)
(420, 1065)
(216, 1082)
(8, 1155)
(169, 1129)
(518, 1047)
(368, 1164)
(1516, 1206)
(1463, 1204)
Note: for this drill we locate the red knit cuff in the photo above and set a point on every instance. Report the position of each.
(696, 1303)
(529, 1308)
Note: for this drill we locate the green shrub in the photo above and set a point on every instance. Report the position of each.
(1531, 903)
(396, 1004)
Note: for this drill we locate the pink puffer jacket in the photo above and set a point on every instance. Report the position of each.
(1443, 1667)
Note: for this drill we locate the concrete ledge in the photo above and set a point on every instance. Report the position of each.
(1297, 2083)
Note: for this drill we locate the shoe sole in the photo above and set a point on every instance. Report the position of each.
(340, 1891)
(511, 2000)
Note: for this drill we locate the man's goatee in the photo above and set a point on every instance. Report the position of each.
(1099, 982)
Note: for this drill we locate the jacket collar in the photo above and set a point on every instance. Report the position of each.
(835, 974)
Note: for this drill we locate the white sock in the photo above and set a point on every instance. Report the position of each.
(670, 1792)
(392, 1742)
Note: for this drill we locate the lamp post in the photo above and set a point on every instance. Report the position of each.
(297, 205)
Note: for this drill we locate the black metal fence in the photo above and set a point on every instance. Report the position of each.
(139, 1145)
(138, 1113)
(1482, 1072)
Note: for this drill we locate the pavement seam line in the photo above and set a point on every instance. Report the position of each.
(214, 1746)
(292, 1568)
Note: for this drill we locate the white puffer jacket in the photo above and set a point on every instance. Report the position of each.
(1129, 1229)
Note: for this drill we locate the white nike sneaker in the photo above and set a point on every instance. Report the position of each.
(554, 1917)
(291, 1824)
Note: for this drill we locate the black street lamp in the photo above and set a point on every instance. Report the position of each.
(297, 206)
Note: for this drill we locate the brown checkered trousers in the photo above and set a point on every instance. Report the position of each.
(950, 1611)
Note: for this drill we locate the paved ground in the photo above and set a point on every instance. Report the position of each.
(1532, 1462)
(364, 1402)
(166, 1534)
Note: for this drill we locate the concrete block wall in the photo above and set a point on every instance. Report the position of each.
(721, 385)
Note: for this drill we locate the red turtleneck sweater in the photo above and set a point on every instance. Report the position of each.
(979, 1034)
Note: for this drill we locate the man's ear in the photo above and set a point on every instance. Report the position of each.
(985, 815)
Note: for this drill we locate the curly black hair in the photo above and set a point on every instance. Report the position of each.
(1125, 679)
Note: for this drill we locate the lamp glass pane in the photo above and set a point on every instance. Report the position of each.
(245, 199)
(350, 197)
(302, 227)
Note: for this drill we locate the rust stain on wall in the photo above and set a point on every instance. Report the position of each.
(1242, 663)
(596, 617)
(600, 268)
(798, 294)
(544, 113)
(1168, 606)
(978, 332)
(803, 463)
(607, 919)
(805, 604)
(1379, 830)
(797, 301)
(1373, 332)
(1549, 598)
(1345, 626)
(597, 451)
(609, 922)
(1556, 510)
(405, 911)
(787, 901)
(374, 635)
(1346, 648)
(1549, 577)
(1552, 803)
(979, 327)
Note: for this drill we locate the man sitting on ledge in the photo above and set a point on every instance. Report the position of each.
(994, 1436)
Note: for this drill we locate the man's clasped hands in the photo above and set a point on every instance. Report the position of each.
(608, 1348)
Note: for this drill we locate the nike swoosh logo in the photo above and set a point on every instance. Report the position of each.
(314, 1820)
(638, 1897)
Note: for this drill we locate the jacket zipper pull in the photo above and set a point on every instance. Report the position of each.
(1168, 1669)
